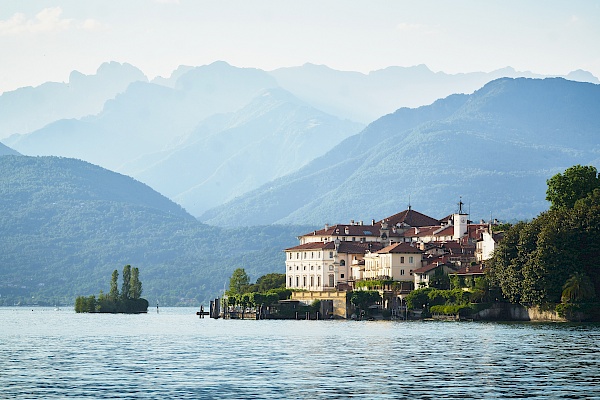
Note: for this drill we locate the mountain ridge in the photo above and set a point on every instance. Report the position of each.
(477, 149)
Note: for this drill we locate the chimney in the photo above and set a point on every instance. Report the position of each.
(326, 226)
(372, 222)
(351, 222)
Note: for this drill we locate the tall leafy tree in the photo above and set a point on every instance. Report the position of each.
(113, 294)
(575, 183)
(135, 286)
(126, 282)
(270, 281)
(239, 282)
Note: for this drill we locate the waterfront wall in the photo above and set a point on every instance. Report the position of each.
(517, 312)
(339, 300)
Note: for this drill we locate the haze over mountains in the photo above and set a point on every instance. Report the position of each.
(209, 134)
(27, 109)
(66, 225)
(496, 148)
(245, 148)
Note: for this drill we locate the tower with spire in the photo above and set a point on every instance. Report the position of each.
(460, 221)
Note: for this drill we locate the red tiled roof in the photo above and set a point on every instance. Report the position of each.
(345, 247)
(409, 217)
(353, 230)
(471, 270)
(310, 246)
(427, 268)
(400, 248)
(358, 247)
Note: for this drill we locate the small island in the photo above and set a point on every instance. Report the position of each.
(128, 301)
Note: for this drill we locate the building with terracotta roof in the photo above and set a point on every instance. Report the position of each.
(394, 262)
(393, 248)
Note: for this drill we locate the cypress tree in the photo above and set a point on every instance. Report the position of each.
(113, 294)
(126, 282)
(135, 286)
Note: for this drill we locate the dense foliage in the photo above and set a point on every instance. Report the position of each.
(362, 299)
(65, 223)
(129, 301)
(267, 290)
(538, 260)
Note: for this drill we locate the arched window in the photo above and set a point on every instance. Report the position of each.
(343, 263)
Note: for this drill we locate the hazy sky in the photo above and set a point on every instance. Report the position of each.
(45, 40)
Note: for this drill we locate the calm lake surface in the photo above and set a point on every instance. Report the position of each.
(50, 354)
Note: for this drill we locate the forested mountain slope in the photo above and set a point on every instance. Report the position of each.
(65, 225)
(496, 148)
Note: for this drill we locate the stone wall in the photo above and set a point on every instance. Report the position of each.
(516, 312)
(339, 299)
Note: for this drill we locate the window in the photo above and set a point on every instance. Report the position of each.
(331, 254)
(312, 254)
(411, 271)
(319, 268)
(312, 281)
(290, 282)
(353, 239)
(290, 268)
(401, 272)
(297, 268)
(304, 267)
(304, 281)
(318, 281)
(331, 267)
(304, 255)
(297, 256)
(312, 268)
(343, 263)
(411, 259)
(297, 281)
(342, 276)
(401, 260)
(331, 280)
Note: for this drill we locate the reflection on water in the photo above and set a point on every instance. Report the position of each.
(174, 354)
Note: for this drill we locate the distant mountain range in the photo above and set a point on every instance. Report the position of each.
(65, 225)
(228, 155)
(367, 97)
(496, 148)
(210, 135)
(27, 109)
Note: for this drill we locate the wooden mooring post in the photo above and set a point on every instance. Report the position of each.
(202, 313)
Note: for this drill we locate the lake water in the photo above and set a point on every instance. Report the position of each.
(50, 354)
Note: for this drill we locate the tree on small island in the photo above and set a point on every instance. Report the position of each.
(129, 301)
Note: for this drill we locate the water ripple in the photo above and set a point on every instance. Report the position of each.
(51, 355)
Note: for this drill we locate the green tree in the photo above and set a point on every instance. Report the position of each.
(126, 282)
(113, 294)
(578, 288)
(239, 282)
(362, 299)
(270, 281)
(574, 184)
(135, 286)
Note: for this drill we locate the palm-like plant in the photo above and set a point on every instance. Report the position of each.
(578, 288)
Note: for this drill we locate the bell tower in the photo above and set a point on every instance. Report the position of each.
(460, 221)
